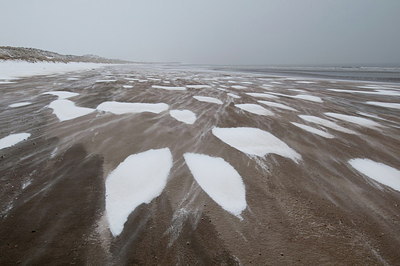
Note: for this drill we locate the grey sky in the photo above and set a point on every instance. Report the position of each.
(268, 32)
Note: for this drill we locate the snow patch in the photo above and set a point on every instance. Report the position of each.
(119, 108)
(67, 110)
(239, 87)
(207, 99)
(62, 94)
(387, 105)
(376, 92)
(278, 105)
(355, 120)
(105, 80)
(169, 88)
(138, 179)
(262, 95)
(219, 180)
(326, 123)
(19, 104)
(198, 86)
(379, 172)
(233, 95)
(314, 130)
(185, 116)
(370, 115)
(308, 98)
(254, 108)
(254, 141)
(13, 139)
(15, 69)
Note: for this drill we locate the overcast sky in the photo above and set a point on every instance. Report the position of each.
(294, 32)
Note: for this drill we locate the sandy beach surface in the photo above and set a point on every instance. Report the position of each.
(157, 165)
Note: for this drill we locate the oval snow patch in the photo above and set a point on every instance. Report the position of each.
(219, 180)
(138, 179)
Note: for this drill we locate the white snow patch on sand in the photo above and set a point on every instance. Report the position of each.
(370, 115)
(13, 139)
(376, 92)
(119, 108)
(19, 104)
(305, 82)
(62, 94)
(278, 105)
(239, 87)
(254, 108)
(138, 179)
(254, 141)
(169, 88)
(387, 105)
(233, 95)
(185, 116)
(297, 90)
(376, 87)
(308, 98)
(198, 86)
(262, 95)
(326, 123)
(355, 120)
(15, 69)
(105, 80)
(67, 110)
(207, 99)
(379, 172)
(314, 130)
(219, 180)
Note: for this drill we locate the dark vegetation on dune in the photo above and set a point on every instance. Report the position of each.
(37, 55)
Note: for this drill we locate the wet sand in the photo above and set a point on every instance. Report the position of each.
(319, 210)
